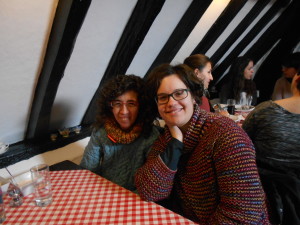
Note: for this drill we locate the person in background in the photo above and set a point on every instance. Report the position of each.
(203, 165)
(202, 67)
(274, 127)
(282, 88)
(123, 132)
(239, 80)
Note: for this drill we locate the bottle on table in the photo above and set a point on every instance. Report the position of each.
(231, 106)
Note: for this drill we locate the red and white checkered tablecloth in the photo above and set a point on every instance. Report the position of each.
(82, 197)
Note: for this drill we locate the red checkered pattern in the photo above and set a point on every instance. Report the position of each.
(82, 197)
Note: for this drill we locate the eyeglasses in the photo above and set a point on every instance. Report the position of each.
(119, 104)
(177, 95)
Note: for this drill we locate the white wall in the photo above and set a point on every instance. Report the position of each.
(25, 27)
(95, 44)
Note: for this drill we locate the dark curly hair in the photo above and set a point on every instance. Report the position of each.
(292, 60)
(118, 86)
(185, 74)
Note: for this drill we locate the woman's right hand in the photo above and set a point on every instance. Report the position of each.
(176, 132)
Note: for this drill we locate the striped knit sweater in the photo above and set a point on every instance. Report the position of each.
(216, 181)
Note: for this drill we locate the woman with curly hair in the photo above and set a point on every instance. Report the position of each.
(239, 79)
(123, 131)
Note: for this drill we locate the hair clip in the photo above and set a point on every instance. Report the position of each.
(111, 138)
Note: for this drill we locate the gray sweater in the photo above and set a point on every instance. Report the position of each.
(275, 133)
(114, 161)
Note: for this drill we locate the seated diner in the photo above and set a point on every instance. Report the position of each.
(203, 165)
(123, 132)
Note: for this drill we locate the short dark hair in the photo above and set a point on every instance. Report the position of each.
(117, 86)
(185, 74)
(292, 60)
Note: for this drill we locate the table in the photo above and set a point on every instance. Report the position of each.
(82, 197)
(65, 165)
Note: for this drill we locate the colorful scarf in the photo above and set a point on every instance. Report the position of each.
(117, 135)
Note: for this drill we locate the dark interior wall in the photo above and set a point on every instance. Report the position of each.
(270, 70)
(283, 34)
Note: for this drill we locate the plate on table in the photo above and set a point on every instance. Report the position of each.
(236, 118)
(240, 108)
(245, 108)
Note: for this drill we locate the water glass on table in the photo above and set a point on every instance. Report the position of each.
(42, 184)
(15, 193)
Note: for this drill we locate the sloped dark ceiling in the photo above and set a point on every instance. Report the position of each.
(280, 37)
(181, 32)
(145, 12)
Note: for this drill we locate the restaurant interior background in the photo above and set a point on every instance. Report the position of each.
(56, 54)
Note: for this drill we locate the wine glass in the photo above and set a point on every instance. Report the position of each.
(249, 100)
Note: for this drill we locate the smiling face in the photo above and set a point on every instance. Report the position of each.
(205, 74)
(249, 71)
(175, 113)
(126, 109)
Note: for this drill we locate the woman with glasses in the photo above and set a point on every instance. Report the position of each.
(123, 132)
(203, 165)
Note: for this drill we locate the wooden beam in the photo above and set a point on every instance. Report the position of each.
(181, 32)
(258, 27)
(219, 26)
(134, 33)
(67, 23)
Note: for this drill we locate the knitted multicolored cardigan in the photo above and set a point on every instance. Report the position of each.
(216, 181)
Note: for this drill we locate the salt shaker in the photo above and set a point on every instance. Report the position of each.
(2, 209)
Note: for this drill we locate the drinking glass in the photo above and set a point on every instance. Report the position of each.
(77, 129)
(243, 99)
(15, 193)
(64, 132)
(42, 185)
(231, 106)
(249, 100)
(3, 147)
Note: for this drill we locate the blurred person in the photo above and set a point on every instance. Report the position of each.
(282, 88)
(123, 132)
(274, 127)
(239, 81)
(202, 66)
(203, 165)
